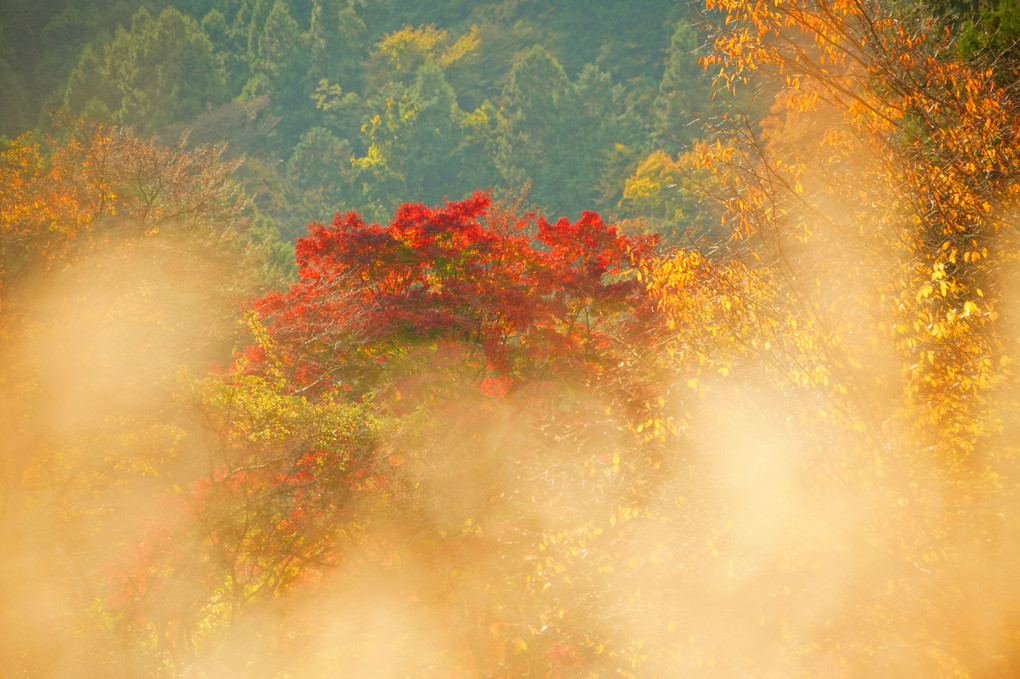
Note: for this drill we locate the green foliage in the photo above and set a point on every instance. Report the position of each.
(374, 182)
(398, 56)
(670, 197)
(992, 39)
(479, 146)
(685, 94)
(556, 134)
(420, 139)
(430, 116)
(159, 72)
(467, 441)
(14, 107)
(281, 72)
(277, 45)
(317, 173)
(337, 36)
(537, 104)
(624, 37)
(355, 69)
(62, 39)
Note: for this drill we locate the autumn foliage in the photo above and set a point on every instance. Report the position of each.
(877, 198)
(112, 278)
(462, 274)
(470, 441)
(365, 433)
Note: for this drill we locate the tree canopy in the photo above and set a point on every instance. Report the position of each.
(600, 342)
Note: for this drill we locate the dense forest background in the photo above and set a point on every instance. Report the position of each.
(509, 339)
(339, 105)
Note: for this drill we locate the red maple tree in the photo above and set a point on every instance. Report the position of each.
(466, 274)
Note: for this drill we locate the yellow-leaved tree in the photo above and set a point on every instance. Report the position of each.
(846, 371)
(119, 261)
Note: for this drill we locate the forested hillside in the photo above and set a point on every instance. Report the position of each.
(362, 106)
(509, 339)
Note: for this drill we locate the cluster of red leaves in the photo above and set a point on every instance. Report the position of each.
(465, 273)
(466, 290)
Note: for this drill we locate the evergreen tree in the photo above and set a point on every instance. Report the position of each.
(992, 39)
(537, 128)
(281, 71)
(685, 91)
(14, 103)
(415, 137)
(229, 50)
(160, 72)
(433, 135)
(336, 36)
(560, 135)
(479, 145)
(610, 133)
(317, 172)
